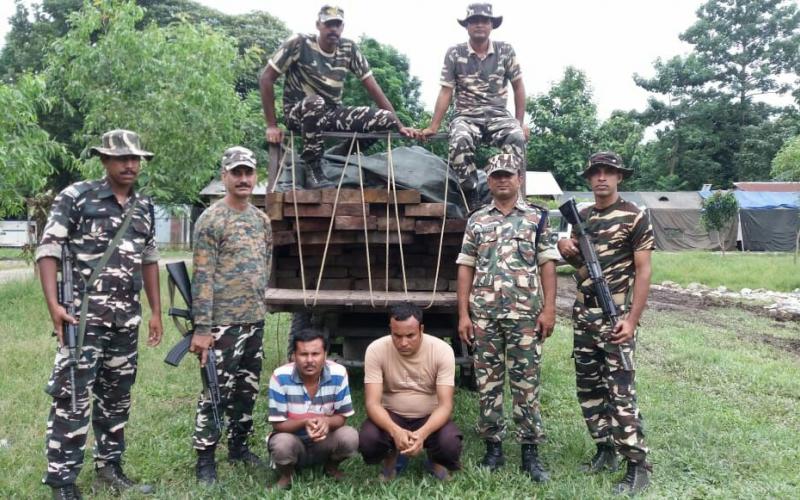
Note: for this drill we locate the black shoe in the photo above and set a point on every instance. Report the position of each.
(315, 178)
(67, 492)
(532, 465)
(112, 477)
(493, 459)
(605, 458)
(239, 453)
(206, 467)
(636, 479)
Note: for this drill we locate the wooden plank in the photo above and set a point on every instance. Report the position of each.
(406, 223)
(285, 273)
(425, 210)
(275, 206)
(292, 296)
(328, 273)
(303, 196)
(311, 284)
(345, 195)
(313, 224)
(382, 196)
(280, 225)
(316, 250)
(319, 238)
(396, 284)
(432, 226)
(281, 238)
(352, 222)
(379, 237)
(293, 262)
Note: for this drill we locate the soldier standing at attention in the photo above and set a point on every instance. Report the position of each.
(506, 246)
(316, 67)
(478, 71)
(109, 231)
(232, 260)
(623, 239)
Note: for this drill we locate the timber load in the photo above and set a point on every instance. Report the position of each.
(378, 239)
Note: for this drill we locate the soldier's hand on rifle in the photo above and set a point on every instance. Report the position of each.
(274, 134)
(200, 346)
(155, 330)
(568, 247)
(623, 331)
(59, 316)
(465, 330)
(545, 323)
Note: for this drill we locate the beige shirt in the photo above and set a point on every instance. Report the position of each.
(409, 382)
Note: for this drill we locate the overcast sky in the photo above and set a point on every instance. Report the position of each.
(608, 39)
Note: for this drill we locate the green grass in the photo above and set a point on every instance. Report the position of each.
(721, 412)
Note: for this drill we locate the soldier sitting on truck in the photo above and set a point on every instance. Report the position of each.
(408, 391)
(316, 67)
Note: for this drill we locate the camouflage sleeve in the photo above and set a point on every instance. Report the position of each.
(63, 218)
(468, 247)
(359, 64)
(150, 254)
(448, 78)
(287, 53)
(204, 263)
(268, 244)
(642, 237)
(513, 71)
(546, 249)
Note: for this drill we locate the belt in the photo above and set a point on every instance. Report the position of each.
(592, 302)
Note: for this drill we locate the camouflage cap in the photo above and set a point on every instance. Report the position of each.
(608, 158)
(503, 163)
(481, 10)
(237, 155)
(330, 13)
(120, 142)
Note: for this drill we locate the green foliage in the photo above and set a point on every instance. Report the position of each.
(25, 149)
(786, 164)
(173, 85)
(719, 210)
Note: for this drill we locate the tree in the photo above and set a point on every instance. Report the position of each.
(174, 85)
(719, 210)
(786, 164)
(25, 149)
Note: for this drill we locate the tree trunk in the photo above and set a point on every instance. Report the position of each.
(719, 239)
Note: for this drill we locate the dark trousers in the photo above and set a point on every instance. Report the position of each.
(443, 446)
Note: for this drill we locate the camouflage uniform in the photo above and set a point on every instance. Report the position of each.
(480, 111)
(86, 216)
(312, 94)
(232, 260)
(606, 392)
(504, 303)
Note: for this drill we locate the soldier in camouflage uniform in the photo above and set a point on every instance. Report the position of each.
(623, 239)
(501, 312)
(316, 67)
(479, 71)
(232, 260)
(85, 217)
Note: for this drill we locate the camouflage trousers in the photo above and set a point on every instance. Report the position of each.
(495, 127)
(606, 392)
(106, 370)
(514, 341)
(312, 116)
(239, 353)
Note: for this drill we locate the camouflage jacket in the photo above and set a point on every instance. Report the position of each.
(480, 83)
(617, 232)
(232, 260)
(309, 70)
(86, 216)
(501, 249)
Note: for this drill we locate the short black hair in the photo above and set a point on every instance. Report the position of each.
(307, 335)
(405, 310)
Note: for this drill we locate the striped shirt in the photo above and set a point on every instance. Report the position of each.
(289, 400)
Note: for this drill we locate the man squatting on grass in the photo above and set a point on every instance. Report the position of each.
(409, 380)
(623, 239)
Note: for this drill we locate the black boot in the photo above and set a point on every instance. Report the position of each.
(493, 459)
(532, 465)
(636, 479)
(67, 492)
(605, 458)
(239, 452)
(206, 467)
(112, 477)
(315, 178)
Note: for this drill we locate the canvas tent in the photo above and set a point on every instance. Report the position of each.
(675, 217)
(769, 220)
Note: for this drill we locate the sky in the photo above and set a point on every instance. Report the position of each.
(609, 40)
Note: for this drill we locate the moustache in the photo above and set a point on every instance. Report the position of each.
(244, 184)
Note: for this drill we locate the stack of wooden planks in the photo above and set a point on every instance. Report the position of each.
(354, 256)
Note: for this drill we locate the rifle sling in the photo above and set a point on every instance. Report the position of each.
(99, 267)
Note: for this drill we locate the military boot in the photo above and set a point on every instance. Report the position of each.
(636, 479)
(605, 458)
(239, 452)
(206, 467)
(532, 465)
(66, 492)
(315, 177)
(112, 477)
(493, 459)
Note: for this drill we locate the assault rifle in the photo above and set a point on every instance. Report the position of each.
(570, 212)
(179, 279)
(70, 331)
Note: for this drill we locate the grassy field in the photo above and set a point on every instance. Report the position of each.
(722, 411)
